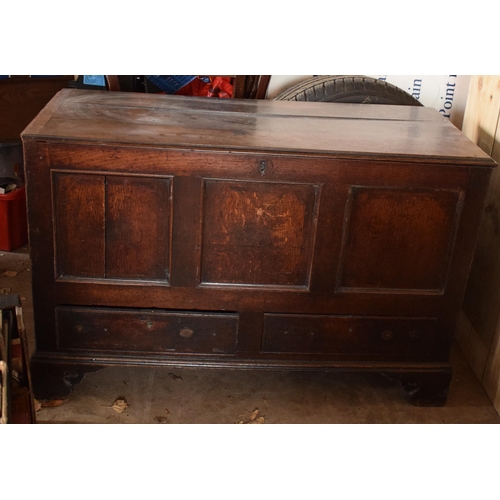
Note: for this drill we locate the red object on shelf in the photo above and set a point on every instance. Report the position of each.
(13, 225)
(219, 86)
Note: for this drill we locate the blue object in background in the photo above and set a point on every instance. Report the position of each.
(170, 84)
(97, 80)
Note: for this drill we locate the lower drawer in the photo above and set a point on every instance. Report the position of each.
(309, 334)
(126, 330)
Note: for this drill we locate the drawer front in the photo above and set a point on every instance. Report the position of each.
(126, 330)
(332, 335)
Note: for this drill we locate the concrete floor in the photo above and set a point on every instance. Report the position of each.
(163, 395)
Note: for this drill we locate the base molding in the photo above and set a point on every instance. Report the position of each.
(56, 374)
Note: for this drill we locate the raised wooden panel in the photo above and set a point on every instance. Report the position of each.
(301, 333)
(398, 239)
(79, 225)
(137, 227)
(115, 227)
(258, 233)
(146, 331)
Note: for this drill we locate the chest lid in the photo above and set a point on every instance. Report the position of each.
(337, 130)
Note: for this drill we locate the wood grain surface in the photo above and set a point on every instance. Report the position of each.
(345, 129)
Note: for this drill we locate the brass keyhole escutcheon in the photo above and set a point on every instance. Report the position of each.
(262, 167)
(186, 333)
(387, 335)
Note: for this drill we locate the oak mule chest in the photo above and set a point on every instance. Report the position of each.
(168, 230)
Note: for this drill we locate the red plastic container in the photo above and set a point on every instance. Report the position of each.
(13, 223)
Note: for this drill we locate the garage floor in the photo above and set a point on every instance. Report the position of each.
(163, 395)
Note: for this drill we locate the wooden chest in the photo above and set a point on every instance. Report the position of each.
(170, 230)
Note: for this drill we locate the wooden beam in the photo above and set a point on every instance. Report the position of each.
(481, 114)
(479, 330)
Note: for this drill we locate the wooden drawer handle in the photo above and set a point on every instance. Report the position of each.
(387, 335)
(186, 333)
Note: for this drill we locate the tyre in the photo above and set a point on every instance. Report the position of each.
(352, 89)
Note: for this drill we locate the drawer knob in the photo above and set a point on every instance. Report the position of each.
(186, 333)
(387, 335)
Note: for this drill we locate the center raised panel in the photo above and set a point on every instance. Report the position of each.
(258, 233)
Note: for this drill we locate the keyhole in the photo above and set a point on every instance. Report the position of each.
(262, 167)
